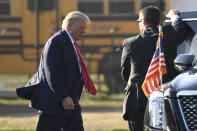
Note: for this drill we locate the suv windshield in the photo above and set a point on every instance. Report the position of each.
(189, 46)
(193, 48)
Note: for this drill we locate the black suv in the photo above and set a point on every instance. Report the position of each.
(175, 108)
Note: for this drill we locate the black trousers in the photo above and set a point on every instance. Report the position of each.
(138, 123)
(65, 121)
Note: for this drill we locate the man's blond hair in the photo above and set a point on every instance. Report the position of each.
(73, 17)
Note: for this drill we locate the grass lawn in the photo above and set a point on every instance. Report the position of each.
(108, 121)
(98, 115)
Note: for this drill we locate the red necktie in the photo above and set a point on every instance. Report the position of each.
(86, 78)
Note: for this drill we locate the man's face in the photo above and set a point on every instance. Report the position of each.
(77, 30)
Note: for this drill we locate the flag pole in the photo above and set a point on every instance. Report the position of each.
(162, 88)
(161, 82)
(160, 73)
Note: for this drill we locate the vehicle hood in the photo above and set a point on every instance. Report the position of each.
(184, 81)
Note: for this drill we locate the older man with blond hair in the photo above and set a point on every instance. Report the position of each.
(58, 83)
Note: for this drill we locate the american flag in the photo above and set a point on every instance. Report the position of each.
(156, 68)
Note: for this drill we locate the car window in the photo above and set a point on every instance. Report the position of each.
(183, 48)
(193, 49)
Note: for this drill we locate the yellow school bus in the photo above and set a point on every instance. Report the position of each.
(25, 26)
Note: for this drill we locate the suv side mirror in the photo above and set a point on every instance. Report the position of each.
(184, 61)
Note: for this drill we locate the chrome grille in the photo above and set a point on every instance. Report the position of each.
(189, 110)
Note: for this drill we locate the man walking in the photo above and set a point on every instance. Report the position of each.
(58, 83)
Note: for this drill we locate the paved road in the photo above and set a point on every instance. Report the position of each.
(7, 93)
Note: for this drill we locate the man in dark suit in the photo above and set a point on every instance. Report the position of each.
(136, 57)
(56, 88)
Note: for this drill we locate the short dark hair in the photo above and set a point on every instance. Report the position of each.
(152, 15)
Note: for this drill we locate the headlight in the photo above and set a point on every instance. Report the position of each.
(156, 111)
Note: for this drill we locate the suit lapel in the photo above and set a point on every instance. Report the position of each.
(70, 47)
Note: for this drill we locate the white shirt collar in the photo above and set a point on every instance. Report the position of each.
(72, 40)
(174, 18)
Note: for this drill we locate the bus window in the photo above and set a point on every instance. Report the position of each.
(121, 7)
(159, 3)
(91, 7)
(43, 5)
(4, 7)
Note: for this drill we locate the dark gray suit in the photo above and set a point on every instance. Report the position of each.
(136, 57)
(58, 77)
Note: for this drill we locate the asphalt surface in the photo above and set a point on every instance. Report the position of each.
(25, 110)
(7, 94)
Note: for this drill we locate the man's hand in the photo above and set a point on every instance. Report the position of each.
(172, 12)
(68, 103)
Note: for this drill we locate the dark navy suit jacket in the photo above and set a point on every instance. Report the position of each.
(58, 76)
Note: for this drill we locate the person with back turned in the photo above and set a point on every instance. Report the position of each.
(56, 88)
(137, 54)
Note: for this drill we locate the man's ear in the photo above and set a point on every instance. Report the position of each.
(69, 27)
(144, 22)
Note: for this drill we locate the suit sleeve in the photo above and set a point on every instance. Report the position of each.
(55, 70)
(179, 29)
(125, 61)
